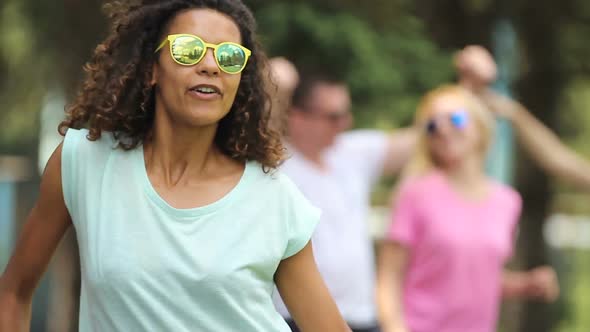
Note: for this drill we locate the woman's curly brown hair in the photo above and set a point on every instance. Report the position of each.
(117, 96)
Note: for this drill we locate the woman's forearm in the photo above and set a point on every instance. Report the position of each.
(542, 144)
(549, 152)
(390, 308)
(392, 261)
(15, 312)
(515, 285)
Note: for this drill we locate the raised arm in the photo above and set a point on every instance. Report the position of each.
(390, 274)
(45, 226)
(306, 296)
(477, 70)
(541, 143)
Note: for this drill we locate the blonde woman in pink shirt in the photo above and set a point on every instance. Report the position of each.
(442, 264)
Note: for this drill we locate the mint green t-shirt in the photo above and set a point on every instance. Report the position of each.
(147, 266)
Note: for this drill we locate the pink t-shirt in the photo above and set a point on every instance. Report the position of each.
(457, 249)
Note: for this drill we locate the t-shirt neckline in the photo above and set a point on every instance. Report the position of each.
(462, 199)
(188, 213)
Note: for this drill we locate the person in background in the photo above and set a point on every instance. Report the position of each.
(441, 266)
(335, 168)
(168, 174)
(477, 70)
(282, 80)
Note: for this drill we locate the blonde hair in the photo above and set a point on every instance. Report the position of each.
(422, 160)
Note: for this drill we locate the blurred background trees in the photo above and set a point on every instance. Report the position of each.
(390, 51)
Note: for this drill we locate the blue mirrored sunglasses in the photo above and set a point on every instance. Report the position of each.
(458, 120)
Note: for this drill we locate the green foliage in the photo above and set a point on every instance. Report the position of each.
(42, 47)
(575, 116)
(20, 92)
(387, 70)
(577, 286)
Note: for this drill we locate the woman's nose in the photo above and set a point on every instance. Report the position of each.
(443, 128)
(208, 65)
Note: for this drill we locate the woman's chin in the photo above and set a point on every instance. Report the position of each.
(449, 161)
(204, 117)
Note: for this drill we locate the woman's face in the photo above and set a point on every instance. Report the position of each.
(202, 94)
(451, 130)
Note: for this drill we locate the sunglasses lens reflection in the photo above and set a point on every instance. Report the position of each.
(187, 50)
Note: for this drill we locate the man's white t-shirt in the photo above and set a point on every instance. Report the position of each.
(342, 244)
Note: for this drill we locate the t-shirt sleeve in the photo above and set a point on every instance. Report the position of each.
(404, 224)
(302, 219)
(83, 162)
(69, 171)
(369, 148)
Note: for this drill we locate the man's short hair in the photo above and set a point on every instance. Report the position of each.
(308, 82)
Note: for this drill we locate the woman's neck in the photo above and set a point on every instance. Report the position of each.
(179, 153)
(468, 177)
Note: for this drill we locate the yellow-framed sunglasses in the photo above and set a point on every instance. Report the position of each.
(188, 50)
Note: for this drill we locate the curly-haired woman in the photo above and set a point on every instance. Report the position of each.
(167, 173)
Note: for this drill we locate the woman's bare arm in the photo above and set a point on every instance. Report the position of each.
(306, 296)
(41, 234)
(539, 283)
(540, 142)
(390, 274)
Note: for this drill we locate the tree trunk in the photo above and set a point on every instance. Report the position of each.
(539, 89)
